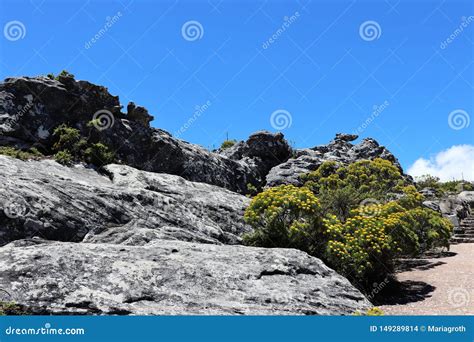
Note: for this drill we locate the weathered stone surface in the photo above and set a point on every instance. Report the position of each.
(171, 277)
(467, 196)
(428, 192)
(339, 150)
(128, 206)
(453, 207)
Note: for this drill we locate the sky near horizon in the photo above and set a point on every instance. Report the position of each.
(398, 71)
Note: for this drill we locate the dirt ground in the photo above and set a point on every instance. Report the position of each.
(445, 285)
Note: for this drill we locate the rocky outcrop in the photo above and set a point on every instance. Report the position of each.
(340, 150)
(453, 207)
(31, 108)
(135, 242)
(263, 149)
(467, 196)
(173, 278)
(55, 202)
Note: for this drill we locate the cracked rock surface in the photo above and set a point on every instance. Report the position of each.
(135, 242)
(172, 278)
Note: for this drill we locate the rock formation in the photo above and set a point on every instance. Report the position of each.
(135, 242)
(159, 232)
(340, 150)
(31, 108)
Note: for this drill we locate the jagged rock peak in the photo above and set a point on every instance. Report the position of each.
(340, 150)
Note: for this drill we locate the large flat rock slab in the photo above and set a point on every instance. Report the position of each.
(171, 278)
(126, 205)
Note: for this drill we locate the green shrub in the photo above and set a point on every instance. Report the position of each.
(64, 157)
(65, 73)
(365, 246)
(228, 143)
(343, 187)
(99, 154)
(441, 188)
(67, 138)
(285, 216)
(377, 176)
(252, 190)
(32, 153)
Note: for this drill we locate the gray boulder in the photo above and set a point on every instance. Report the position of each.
(171, 278)
(453, 207)
(467, 196)
(127, 205)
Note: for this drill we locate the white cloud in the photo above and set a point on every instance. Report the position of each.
(454, 163)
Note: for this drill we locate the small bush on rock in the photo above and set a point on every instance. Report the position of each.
(64, 157)
(10, 309)
(99, 154)
(228, 143)
(67, 138)
(32, 153)
(71, 146)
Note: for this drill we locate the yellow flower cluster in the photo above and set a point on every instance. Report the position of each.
(285, 199)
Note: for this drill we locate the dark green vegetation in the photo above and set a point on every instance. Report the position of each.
(358, 218)
(69, 147)
(10, 309)
(32, 153)
(63, 73)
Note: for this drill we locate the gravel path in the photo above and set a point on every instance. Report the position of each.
(451, 283)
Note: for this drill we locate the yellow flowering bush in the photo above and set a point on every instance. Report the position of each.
(343, 187)
(359, 241)
(373, 176)
(285, 216)
(360, 248)
(364, 247)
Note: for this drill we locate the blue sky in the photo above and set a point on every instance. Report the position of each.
(397, 83)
